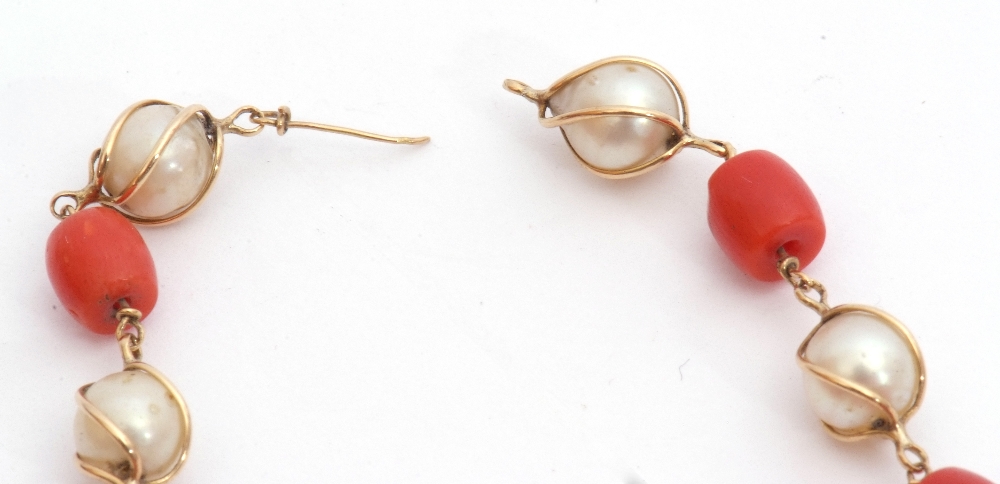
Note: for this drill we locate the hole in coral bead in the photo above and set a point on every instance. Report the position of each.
(792, 247)
(117, 306)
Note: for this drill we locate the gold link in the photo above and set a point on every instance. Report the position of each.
(228, 124)
(915, 471)
(788, 267)
(129, 342)
(279, 119)
(80, 198)
(911, 456)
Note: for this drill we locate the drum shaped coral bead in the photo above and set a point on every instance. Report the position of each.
(954, 475)
(758, 204)
(95, 258)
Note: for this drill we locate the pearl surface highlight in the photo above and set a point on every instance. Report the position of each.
(866, 350)
(177, 178)
(616, 143)
(142, 408)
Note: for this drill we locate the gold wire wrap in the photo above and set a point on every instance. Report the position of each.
(683, 136)
(129, 342)
(132, 473)
(892, 425)
(803, 284)
(95, 192)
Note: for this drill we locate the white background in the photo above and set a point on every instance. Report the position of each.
(482, 309)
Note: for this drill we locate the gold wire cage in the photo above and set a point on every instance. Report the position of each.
(680, 127)
(96, 192)
(132, 471)
(891, 424)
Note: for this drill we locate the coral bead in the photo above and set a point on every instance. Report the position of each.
(758, 204)
(954, 475)
(95, 258)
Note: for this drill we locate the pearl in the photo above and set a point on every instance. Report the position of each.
(866, 350)
(616, 143)
(142, 408)
(177, 178)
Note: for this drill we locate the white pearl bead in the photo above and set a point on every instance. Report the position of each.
(177, 177)
(140, 407)
(615, 143)
(866, 350)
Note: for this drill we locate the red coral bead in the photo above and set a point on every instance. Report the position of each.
(757, 204)
(954, 475)
(95, 258)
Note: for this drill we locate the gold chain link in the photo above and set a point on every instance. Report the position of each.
(912, 457)
(788, 266)
(129, 332)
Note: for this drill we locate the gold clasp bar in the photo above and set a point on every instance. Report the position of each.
(281, 120)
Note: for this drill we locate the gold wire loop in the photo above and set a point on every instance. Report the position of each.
(81, 198)
(683, 136)
(916, 477)
(919, 465)
(279, 119)
(525, 91)
(130, 333)
(228, 124)
(788, 266)
(912, 457)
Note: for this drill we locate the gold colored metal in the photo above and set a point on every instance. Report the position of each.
(96, 192)
(132, 472)
(130, 342)
(892, 426)
(281, 120)
(680, 127)
(130, 333)
(788, 266)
